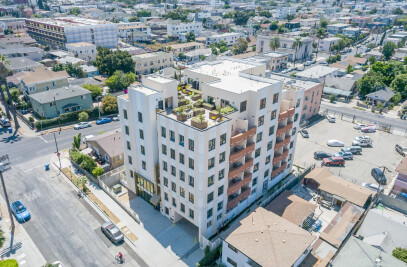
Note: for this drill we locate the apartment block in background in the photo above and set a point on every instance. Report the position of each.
(83, 50)
(207, 169)
(57, 32)
(151, 62)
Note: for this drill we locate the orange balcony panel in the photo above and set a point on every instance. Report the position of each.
(238, 155)
(280, 144)
(242, 136)
(236, 187)
(233, 203)
(280, 157)
(234, 172)
(284, 129)
(278, 170)
(286, 114)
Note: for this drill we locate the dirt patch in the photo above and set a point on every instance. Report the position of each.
(129, 234)
(69, 174)
(103, 207)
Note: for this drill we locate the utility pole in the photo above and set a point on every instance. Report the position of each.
(58, 154)
(56, 110)
(3, 169)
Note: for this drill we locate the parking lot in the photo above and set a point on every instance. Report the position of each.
(358, 170)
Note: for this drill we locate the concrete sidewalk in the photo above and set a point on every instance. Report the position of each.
(18, 246)
(155, 238)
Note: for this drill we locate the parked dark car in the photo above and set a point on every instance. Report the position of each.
(333, 161)
(103, 121)
(379, 176)
(321, 155)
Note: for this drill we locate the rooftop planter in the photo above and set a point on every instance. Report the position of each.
(198, 111)
(195, 96)
(183, 102)
(208, 106)
(199, 122)
(181, 115)
(214, 114)
(198, 103)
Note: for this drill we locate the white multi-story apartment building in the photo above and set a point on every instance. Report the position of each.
(324, 45)
(230, 38)
(282, 12)
(180, 29)
(134, 31)
(57, 32)
(150, 62)
(286, 45)
(207, 169)
(83, 50)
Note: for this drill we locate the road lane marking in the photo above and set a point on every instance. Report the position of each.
(21, 256)
(33, 168)
(43, 139)
(30, 196)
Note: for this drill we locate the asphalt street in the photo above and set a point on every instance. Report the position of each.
(63, 227)
(23, 148)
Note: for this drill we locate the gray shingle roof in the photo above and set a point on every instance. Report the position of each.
(17, 63)
(340, 83)
(383, 94)
(59, 94)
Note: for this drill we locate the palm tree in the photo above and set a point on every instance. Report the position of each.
(321, 33)
(275, 43)
(297, 44)
(3, 76)
(33, 8)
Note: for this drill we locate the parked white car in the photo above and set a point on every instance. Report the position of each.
(82, 125)
(373, 187)
(362, 141)
(87, 137)
(330, 118)
(369, 129)
(359, 126)
(335, 142)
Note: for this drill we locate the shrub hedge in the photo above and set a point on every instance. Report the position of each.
(66, 118)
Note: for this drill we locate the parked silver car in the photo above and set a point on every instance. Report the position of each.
(112, 232)
(82, 125)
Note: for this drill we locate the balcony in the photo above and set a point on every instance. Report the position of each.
(277, 171)
(242, 136)
(236, 171)
(235, 187)
(240, 153)
(286, 114)
(243, 195)
(278, 158)
(282, 143)
(284, 129)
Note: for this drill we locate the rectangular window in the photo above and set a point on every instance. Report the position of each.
(232, 248)
(182, 175)
(172, 153)
(271, 130)
(182, 208)
(165, 167)
(191, 213)
(173, 186)
(191, 181)
(273, 114)
(275, 98)
(128, 145)
(269, 145)
(291, 144)
(259, 137)
(141, 134)
(191, 198)
(220, 206)
(164, 149)
(210, 197)
(181, 140)
(191, 163)
(295, 117)
(209, 213)
(172, 136)
(243, 106)
(223, 139)
(174, 202)
(211, 180)
(181, 158)
(257, 152)
(166, 196)
(266, 174)
(173, 171)
(256, 167)
(261, 121)
(163, 132)
(262, 103)
(221, 174)
(143, 165)
(125, 114)
(140, 117)
(143, 150)
(211, 145)
(130, 160)
(182, 192)
(211, 163)
(191, 144)
(166, 182)
(220, 190)
(268, 159)
(219, 217)
(222, 157)
(126, 128)
(294, 131)
(167, 211)
(254, 182)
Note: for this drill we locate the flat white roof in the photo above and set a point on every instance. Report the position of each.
(159, 79)
(222, 68)
(239, 85)
(69, 21)
(316, 72)
(80, 44)
(143, 89)
(294, 82)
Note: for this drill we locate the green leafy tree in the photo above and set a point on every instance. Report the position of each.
(370, 82)
(107, 62)
(76, 141)
(241, 18)
(240, 46)
(405, 60)
(372, 60)
(98, 171)
(371, 45)
(349, 69)
(109, 104)
(290, 17)
(399, 84)
(143, 13)
(265, 13)
(398, 11)
(83, 116)
(120, 81)
(74, 11)
(296, 44)
(2, 238)
(96, 90)
(324, 23)
(274, 26)
(81, 181)
(388, 50)
(275, 43)
(173, 15)
(389, 70)
(382, 39)
(400, 253)
(373, 11)
(134, 19)
(190, 37)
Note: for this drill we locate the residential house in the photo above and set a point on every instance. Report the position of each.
(382, 95)
(90, 71)
(42, 79)
(376, 54)
(17, 25)
(400, 184)
(230, 38)
(17, 64)
(351, 31)
(134, 31)
(326, 43)
(361, 22)
(340, 87)
(336, 28)
(108, 147)
(197, 55)
(83, 50)
(276, 60)
(179, 29)
(262, 238)
(52, 103)
(312, 23)
(318, 73)
(150, 62)
(283, 11)
(33, 53)
(184, 47)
